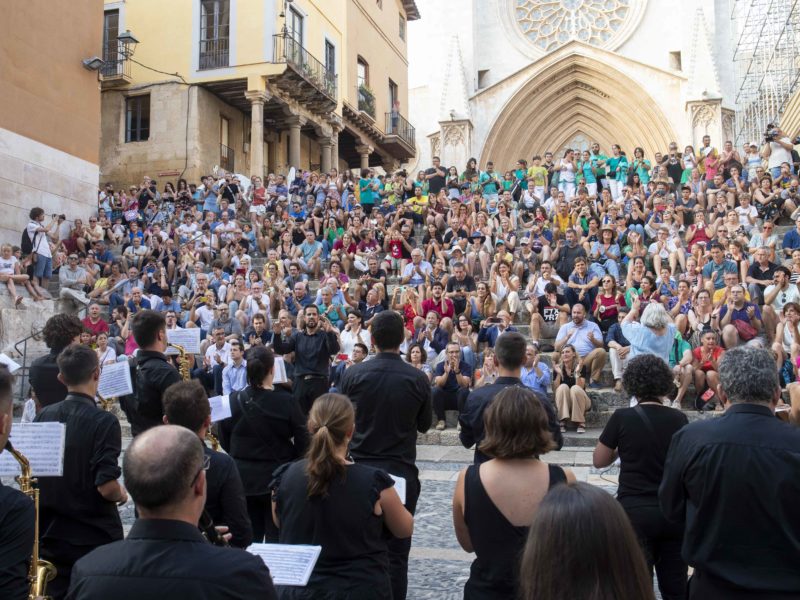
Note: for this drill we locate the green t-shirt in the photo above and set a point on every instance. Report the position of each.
(367, 196)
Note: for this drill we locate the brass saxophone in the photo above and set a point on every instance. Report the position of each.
(105, 403)
(40, 571)
(185, 369)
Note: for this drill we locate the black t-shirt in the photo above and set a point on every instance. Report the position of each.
(674, 171)
(16, 541)
(549, 312)
(466, 285)
(435, 183)
(642, 456)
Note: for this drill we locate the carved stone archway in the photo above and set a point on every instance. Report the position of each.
(576, 96)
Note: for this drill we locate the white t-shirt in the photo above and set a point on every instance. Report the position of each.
(790, 294)
(7, 265)
(779, 154)
(410, 271)
(40, 244)
(744, 213)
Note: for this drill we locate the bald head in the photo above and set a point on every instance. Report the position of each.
(161, 466)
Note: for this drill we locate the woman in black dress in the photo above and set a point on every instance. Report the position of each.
(641, 435)
(265, 430)
(327, 500)
(495, 502)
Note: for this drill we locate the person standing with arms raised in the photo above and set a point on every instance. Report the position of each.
(153, 373)
(313, 347)
(393, 403)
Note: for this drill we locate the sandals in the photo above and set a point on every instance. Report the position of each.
(17, 301)
(581, 429)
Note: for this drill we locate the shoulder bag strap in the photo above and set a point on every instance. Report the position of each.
(650, 429)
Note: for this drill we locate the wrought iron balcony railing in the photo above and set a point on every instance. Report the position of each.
(397, 125)
(226, 158)
(289, 50)
(214, 53)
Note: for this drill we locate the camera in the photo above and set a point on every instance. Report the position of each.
(771, 134)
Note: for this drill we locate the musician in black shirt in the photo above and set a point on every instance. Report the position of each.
(164, 555)
(59, 332)
(16, 513)
(78, 510)
(733, 482)
(186, 404)
(393, 403)
(313, 348)
(152, 375)
(265, 430)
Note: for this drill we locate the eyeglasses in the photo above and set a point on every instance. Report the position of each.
(722, 230)
(767, 227)
(206, 464)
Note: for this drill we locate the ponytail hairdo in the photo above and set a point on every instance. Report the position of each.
(330, 420)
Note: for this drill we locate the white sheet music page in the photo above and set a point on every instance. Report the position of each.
(280, 371)
(115, 380)
(220, 408)
(288, 564)
(42, 444)
(188, 338)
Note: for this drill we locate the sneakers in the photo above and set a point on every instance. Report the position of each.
(675, 404)
(440, 425)
(581, 429)
(595, 385)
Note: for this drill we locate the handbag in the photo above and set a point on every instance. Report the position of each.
(746, 331)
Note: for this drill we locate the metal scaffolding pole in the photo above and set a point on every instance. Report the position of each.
(767, 62)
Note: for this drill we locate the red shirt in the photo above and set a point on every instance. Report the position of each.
(430, 304)
(100, 327)
(706, 365)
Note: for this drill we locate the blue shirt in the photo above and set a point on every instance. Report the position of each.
(583, 345)
(726, 266)
(791, 240)
(234, 378)
(532, 380)
(490, 334)
(451, 385)
(644, 341)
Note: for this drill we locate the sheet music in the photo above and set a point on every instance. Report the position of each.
(280, 371)
(288, 564)
(115, 380)
(42, 444)
(400, 486)
(188, 338)
(220, 408)
(13, 367)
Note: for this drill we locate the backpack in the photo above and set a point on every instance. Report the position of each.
(26, 243)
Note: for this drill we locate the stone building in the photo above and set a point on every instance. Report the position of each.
(513, 78)
(49, 111)
(254, 86)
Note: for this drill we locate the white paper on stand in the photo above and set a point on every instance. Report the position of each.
(115, 380)
(6, 360)
(399, 486)
(288, 564)
(280, 371)
(220, 408)
(42, 444)
(188, 338)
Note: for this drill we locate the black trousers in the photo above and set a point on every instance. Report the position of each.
(661, 542)
(307, 390)
(259, 509)
(399, 549)
(63, 555)
(448, 400)
(704, 586)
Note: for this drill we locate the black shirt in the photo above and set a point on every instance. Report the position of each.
(642, 456)
(16, 542)
(169, 559)
(225, 501)
(393, 403)
(757, 272)
(566, 259)
(44, 380)
(312, 352)
(437, 182)
(153, 375)
(266, 429)
(71, 508)
(471, 418)
(465, 285)
(354, 558)
(550, 313)
(733, 480)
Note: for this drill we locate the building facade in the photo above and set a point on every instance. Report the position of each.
(49, 111)
(252, 86)
(525, 76)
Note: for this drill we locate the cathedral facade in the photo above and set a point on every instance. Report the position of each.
(502, 80)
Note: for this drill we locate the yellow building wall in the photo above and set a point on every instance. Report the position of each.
(374, 34)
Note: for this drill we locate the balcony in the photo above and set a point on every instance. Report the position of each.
(306, 79)
(214, 53)
(366, 101)
(400, 135)
(116, 69)
(226, 158)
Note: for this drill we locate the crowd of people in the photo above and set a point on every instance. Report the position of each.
(403, 296)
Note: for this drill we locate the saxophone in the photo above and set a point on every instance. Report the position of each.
(185, 370)
(40, 571)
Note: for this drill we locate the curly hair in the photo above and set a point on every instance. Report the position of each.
(60, 331)
(648, 378)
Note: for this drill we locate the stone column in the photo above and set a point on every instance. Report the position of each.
(364, 151)
(295, 123)
(325, 161)
(335, 149)
(257, 100)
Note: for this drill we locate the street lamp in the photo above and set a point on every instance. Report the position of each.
(127, 43)
(93, 64)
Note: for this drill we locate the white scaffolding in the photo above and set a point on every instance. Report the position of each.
(767, 62)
